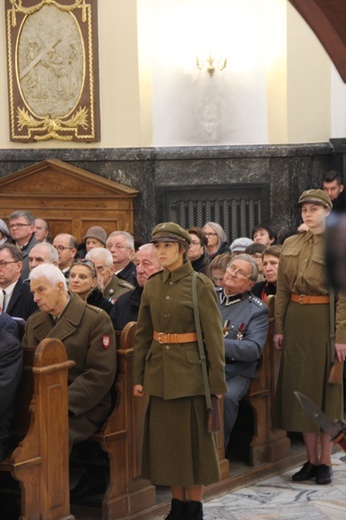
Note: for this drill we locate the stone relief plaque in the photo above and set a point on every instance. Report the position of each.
(53, 70)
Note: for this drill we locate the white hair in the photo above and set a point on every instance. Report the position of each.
(100, 253)
(50, 272)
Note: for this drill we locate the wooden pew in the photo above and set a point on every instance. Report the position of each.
(40, 461)
(267, 444)
(121, 438)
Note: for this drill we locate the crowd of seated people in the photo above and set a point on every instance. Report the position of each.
(108, 272)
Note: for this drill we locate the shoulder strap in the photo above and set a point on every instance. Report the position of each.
(202, 358)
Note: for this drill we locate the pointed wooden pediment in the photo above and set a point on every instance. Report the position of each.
(69, 198)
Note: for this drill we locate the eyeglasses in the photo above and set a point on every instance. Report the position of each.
(20, 224)
(238, 273)
(62, 248)
(5, 264)
(210, 234)
(110, 246)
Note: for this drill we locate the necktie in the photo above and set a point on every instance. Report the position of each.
(4, 302)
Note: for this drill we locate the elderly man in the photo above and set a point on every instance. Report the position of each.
(121, 245)
(126, 307)
(17, 298)
(246, 326)
(89, 339)
(43, 253)
(88, 335)
(41, 230)
(113, 286)
(22, 228)
(66, 245)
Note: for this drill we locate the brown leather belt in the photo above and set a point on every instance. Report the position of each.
(187, 337)
(303, 299)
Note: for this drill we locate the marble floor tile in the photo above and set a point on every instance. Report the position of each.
(279, 498)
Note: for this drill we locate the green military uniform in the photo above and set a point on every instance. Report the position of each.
(116, 288)
(177, 449)
(88, 336)
(306, 354)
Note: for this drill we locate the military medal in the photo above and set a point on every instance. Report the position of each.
(240, 333)
(106, 341)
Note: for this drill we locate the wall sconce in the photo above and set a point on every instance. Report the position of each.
(210, 64)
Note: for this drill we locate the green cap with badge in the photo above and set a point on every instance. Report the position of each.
(315, 197)
(170, 232)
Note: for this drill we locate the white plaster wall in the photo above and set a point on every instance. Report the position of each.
(338, 105)
(189, 106)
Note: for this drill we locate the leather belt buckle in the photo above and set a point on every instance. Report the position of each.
(301, 296)
(159, 339)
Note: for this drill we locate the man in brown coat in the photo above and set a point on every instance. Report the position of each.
(88, 336)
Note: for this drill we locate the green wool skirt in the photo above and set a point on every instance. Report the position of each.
(177, 450)
(305, 363)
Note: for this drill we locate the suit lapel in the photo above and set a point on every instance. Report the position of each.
(17, 291)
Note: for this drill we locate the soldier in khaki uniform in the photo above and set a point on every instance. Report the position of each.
(88, 336)
(302, 332)
(113, 286)
(177, 449)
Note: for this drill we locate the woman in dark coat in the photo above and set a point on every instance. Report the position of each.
(84, 282)
(177, 450)
(302, 332)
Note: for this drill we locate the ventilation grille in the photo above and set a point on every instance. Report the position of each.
(236, 208)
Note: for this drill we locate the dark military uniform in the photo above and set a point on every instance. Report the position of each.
(177, 448)
(306, 354)
(116, 288)
(88, 336)
(246, 318)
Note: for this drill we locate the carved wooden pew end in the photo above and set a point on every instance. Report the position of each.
(40, 460)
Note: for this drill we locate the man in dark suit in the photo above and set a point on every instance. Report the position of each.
(17, 298)
(22, 228)
(11, 365)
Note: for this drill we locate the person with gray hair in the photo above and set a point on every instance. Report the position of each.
(121, 245)
(90, 342)
(43, 253)
(245, 320)
(111, 285)
(126, 308)
(22, 229)
(89, 339)
(217, 239)
(4, 232)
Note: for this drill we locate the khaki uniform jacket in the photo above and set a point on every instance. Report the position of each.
(173, 370)
(88, 336)
(302, 270)
(116, 288)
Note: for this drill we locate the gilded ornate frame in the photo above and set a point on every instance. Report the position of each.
(52, 57)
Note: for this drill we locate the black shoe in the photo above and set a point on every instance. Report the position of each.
(194, 510)
(178, 510)
(307, 472)
(324, 474)
(87, 487)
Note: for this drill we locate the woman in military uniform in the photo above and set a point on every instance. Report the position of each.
(177, 450)
(303, 334)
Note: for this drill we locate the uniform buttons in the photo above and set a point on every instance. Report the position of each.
(168, 297)
(167, 347)
(165, 315)
(171, 283)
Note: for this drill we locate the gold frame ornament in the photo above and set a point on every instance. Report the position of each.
(52, 57)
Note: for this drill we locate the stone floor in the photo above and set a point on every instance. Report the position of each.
(279, 498)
